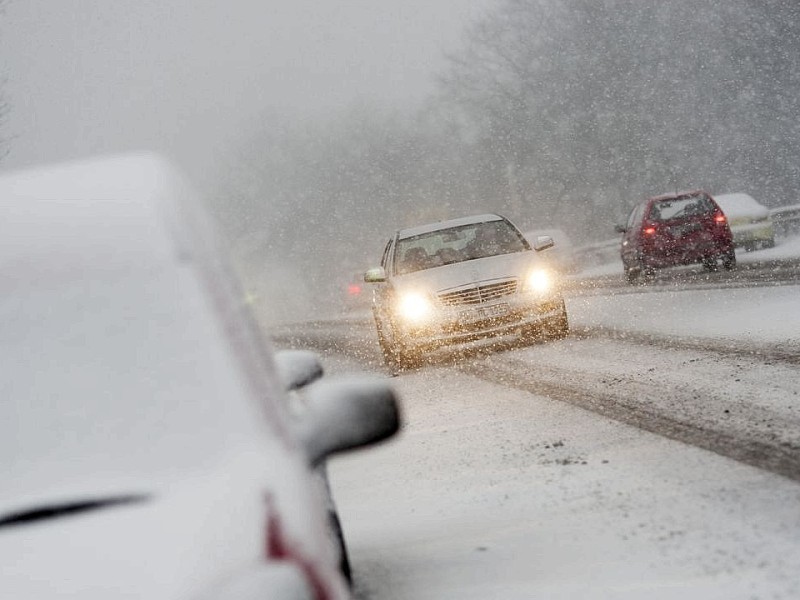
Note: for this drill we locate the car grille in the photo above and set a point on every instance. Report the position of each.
(479, 293)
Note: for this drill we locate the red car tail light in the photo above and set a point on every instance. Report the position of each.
(649, 230)
(719, 218)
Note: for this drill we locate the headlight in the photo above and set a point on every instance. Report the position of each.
(414, 307)
(539, 281)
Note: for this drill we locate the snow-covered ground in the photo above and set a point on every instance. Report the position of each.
(758, 314)
(492, 492)
(495, 494)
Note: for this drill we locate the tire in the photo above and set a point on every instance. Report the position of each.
(396, 356)
(555, 328)
(631, 274)
(709, 264)
(344, 558)
(729, 261)
(633, 270)
(559, 327)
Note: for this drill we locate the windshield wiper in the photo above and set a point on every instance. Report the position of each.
(63, 509)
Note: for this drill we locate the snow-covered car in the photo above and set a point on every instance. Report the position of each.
(460, 280)
(148, 448)
(750, 221)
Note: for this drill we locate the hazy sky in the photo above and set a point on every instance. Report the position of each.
(90, 76)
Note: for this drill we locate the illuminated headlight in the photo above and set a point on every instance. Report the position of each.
(539, 281)
(414, 307)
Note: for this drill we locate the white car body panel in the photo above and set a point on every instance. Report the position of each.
(131, 367)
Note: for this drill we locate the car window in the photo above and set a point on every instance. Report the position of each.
(385, 256)
(456, 244)
(667, 210)
(633, 217)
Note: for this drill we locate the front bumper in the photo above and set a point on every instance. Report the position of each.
(461, 324)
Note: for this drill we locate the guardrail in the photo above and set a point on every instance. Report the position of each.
(786, 220)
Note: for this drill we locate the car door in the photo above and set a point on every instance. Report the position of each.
(632, 231)
(381, 292)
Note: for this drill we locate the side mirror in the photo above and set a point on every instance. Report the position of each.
(543, 242)
(620, 228)
(347, 414)
(375, 275)
(297, 368)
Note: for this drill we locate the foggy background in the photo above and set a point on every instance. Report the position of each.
(314, 129)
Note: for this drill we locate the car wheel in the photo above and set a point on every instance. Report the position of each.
(344, 559)
(710, 264)
(631, 274)
(632, 271)
(559, 327)
(387, 348)
(729, 261)
(395, 355)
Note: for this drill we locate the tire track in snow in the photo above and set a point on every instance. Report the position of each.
(635, 404)
(631, 400)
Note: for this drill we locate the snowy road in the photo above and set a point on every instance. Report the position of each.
(653, 453)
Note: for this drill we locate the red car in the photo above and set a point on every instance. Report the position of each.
(676, 229)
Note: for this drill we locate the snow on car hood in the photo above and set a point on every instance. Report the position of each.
(184, 538)
(439, 279)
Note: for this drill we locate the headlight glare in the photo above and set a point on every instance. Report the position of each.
(540, 281)
(414, 307)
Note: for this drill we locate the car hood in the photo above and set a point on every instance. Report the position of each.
(169, 539)
(470, 272)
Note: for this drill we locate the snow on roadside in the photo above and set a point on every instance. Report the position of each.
(495, 493)
(760, 314)
(763, 314)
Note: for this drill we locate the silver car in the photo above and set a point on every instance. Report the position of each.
(460, 280)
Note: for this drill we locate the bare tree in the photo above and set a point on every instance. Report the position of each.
(580, 108)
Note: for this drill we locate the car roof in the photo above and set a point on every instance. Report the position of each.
(676, 195)
(438, 225)
(82, 219)
(126, 347)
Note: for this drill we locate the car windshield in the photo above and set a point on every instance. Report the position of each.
(456, 244)
(668, 210)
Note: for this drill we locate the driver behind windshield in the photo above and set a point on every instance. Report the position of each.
(490, 240)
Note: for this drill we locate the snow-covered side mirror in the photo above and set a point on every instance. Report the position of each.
(346, 414)
(297, 368)
(375, 275)
(543, 242)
